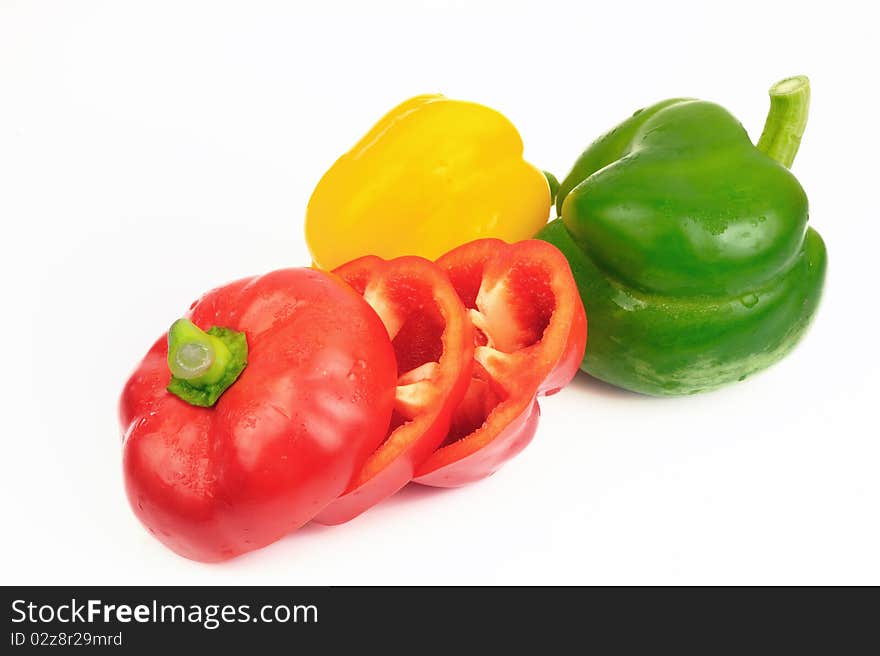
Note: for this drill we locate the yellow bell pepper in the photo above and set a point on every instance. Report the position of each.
(432, 174)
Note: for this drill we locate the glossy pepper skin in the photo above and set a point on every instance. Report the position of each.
(432, 174)
(283, 440)
(690, 245)
(433, 342)
(530, 330)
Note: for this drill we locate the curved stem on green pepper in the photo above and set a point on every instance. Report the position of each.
(203, 364)
(787, 119)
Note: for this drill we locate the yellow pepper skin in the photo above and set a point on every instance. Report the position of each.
(432, 174)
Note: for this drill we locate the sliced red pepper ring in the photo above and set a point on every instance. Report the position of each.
(530, 331)
(434, 345)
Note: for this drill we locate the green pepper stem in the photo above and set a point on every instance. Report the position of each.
(787, 119)
(203, 364)
(194, 355)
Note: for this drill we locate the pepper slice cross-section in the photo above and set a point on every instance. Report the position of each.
(434, 345)
(530, 330)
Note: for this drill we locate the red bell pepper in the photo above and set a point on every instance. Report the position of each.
(434, 346)
(214, 480)
(530, 329)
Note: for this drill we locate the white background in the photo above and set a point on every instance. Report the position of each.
(150, 151)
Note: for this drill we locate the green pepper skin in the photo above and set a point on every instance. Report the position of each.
(690, 249)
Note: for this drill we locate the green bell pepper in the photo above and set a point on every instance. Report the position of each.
(690, 245)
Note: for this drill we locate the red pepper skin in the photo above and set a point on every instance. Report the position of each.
(313, 402)
(531, 331)
(434, 345)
